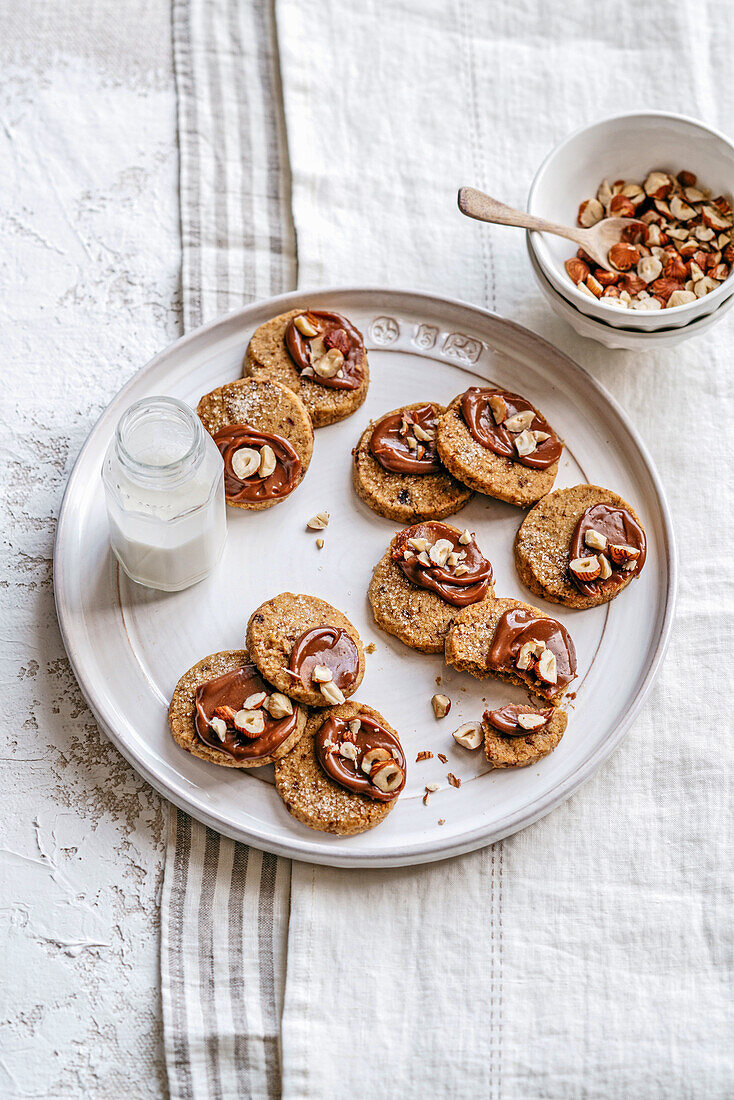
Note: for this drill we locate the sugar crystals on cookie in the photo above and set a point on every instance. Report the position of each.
(223, 711)
(346, 773)
(306, 648)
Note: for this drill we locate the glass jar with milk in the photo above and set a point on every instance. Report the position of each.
(164, 488)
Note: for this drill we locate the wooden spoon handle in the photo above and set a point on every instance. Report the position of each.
(475, 204)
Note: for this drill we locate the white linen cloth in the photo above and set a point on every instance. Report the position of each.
(591, 954)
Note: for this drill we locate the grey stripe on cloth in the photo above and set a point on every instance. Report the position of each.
(237, 233)
(225, 906)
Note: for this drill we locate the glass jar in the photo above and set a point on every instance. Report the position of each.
(163, 477)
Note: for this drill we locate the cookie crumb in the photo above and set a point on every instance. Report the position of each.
(370, 648)
(442, 821)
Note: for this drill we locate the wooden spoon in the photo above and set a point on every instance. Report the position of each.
(595, 241)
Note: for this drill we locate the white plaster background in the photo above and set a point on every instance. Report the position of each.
(88, 292)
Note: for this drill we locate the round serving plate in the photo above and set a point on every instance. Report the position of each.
(128, 645)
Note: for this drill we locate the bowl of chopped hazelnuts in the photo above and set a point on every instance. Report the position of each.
(671, 177)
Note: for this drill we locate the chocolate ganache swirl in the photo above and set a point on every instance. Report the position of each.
(443, 560)
(618, 528)
(333, 331)
(404, 442)
(479, 416)
(506, 719)
(226, 695)
(329, 646)
(256, 488)
(520, 626)
(341, 745)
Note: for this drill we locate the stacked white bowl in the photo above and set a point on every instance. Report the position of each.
(626, 147)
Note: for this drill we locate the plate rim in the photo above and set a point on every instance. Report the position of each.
(304, 849)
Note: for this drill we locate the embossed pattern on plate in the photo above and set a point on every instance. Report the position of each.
(128, 645)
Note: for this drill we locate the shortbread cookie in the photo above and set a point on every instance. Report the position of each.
(580, 547)
(515, 736)
(306, 648)
(265, 436)
(397, 471)
(322, 782)
(224, 712)
(499, 444)
(319, 355)
(513, 641)
(429, 572)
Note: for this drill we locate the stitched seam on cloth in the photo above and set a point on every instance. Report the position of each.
(309, 970)
(188, 140)
(206, 956)
(238, 992)
(179, 1038)
(477, 149)
(267, 972)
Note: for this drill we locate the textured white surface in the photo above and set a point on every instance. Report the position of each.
(88, 292)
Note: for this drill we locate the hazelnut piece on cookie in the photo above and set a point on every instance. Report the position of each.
(265, 437)
(516, 736)
(397, 471)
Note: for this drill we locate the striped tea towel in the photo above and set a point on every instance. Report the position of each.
(225, 906)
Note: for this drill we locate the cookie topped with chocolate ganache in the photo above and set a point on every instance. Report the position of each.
(317, 353)
(397, 471)
(346, 773)
(518, 735)
(513, 641)
(580, 546)
(498, 443)
(223, 711)
(429, 572)
(265, 437)
(306, 648)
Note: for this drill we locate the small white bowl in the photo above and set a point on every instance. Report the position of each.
(625, 147)
(622, 338)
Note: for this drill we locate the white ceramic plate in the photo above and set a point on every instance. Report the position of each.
(128, 645)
